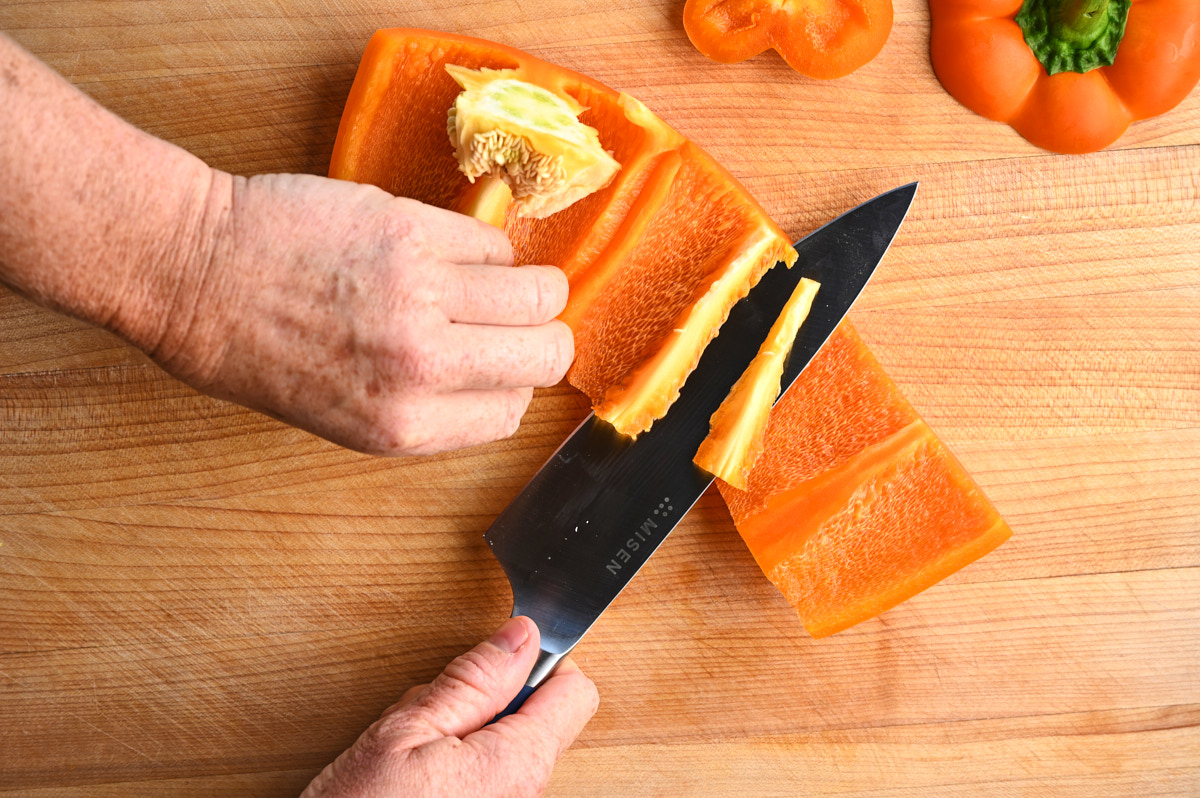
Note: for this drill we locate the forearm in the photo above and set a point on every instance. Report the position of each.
(98, 219)
(380, 323)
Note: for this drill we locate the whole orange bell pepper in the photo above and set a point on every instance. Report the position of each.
(1068, 75)
(818, 38)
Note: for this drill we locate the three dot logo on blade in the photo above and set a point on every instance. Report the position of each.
(643, 536)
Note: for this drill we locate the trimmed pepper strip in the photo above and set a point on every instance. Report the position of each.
(818, 38)
(986, 60)
(735, 439)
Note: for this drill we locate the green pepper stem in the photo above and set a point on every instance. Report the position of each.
(1079, 22)
(1073, 35)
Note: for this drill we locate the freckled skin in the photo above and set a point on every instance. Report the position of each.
(434, 741)
(382, 324)
(342, 309)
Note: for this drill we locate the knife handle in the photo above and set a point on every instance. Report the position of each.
(515, 704)
(542, 668)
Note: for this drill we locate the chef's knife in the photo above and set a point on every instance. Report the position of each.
(601, 505)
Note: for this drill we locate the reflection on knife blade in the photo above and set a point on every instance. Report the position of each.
(603, 503)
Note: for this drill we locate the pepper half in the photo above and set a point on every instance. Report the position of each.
(1069, 75)
(655, 259)
(817, 38)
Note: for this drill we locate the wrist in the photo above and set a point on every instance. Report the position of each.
(161, 305)
(100, 220)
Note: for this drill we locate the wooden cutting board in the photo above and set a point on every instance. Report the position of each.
(196, 600)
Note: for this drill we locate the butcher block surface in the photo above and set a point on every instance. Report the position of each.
(196, 600)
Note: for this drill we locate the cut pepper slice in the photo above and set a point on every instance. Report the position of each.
(855, 505)
(817, 38)
(735, 438)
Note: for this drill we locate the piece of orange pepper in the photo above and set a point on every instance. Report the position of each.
(981, 56)
(818, 38)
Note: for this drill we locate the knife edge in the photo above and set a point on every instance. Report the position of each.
(591, 517)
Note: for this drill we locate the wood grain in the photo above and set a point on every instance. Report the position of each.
(197, 600)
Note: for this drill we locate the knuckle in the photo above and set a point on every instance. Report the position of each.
(410, 350)
(582, 691)
(542, 760)
(446, 284)
(559, 352)
(387, 738)
(471, 672)
(513, 410)
(549, 287)
(422, 364)
(425, 367)
(400, 224)
(402, 431)
(412, 289)
(460, 292)
(493, 244)
(591, 696)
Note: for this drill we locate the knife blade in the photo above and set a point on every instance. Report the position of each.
(603, 503)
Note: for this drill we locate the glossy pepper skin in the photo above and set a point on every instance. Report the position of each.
(817, 38)
(980, 55)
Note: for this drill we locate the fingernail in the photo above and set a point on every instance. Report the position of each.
(511, 635)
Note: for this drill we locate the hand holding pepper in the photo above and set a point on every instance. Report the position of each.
(382, 324)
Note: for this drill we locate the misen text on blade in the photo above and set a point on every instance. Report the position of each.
(644, 536)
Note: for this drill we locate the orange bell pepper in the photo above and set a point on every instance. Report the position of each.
(818, 38)
(854, 504)
(655, 259)
(1068, 75)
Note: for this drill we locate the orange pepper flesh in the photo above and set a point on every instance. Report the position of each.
(980, 56)
(640, 254)
(855, 505)
(643, 252)
(817, 38)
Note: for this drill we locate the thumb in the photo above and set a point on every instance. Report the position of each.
(473, 688)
